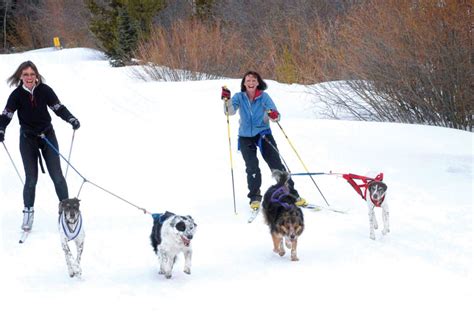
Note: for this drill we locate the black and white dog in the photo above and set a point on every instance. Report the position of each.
(377, 191)
(170, 235)
(70, 229)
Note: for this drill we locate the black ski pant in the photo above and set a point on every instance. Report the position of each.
(30, 147)
(248, 147)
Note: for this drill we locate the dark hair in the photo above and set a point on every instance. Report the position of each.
(15, 79)
(261, 83)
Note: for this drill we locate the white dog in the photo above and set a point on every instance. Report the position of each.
(172, 234)
(377, 191)
(70, 229)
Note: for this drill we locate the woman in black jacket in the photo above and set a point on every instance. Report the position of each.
(31, 99)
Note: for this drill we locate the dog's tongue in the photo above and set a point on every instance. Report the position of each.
(186, 241)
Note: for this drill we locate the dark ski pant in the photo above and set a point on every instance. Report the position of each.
(248, 147)
(30, 147)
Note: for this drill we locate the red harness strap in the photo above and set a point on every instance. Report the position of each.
(361, 189)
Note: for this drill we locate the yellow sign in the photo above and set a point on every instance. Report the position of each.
(57, 43)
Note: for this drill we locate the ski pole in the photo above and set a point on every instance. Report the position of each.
(226, 101)
(70, 151)
(13, 163)
(304, 166)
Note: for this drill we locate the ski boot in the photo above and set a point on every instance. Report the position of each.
(301, 202)
(255, 205)
(28, 218)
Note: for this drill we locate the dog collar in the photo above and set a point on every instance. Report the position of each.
(70, 234)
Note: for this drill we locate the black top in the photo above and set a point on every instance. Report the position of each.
(32, 108)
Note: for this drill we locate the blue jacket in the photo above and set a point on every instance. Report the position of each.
(253, 115)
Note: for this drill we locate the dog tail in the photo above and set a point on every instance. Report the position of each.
(280, 176)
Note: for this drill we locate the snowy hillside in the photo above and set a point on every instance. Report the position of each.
(164, 146)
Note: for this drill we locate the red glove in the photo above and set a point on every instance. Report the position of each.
(225, 94)
(273, 115)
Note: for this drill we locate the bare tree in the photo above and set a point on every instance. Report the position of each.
(409, 61)
(6, 7)
(190, 50)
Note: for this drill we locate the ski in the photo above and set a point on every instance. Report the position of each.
(24, 236)
(315, 207)
(253, 215)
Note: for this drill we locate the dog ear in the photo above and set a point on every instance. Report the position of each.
(190, 218)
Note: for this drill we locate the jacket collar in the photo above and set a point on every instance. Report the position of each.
(29, 91)
(258, 93)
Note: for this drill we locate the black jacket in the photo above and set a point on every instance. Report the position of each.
(33, 109)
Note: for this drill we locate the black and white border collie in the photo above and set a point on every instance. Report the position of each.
(172, 234)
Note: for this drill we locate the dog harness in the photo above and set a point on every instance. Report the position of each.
(361, 189)
(70, 234)
(161, 217)
(279, 194)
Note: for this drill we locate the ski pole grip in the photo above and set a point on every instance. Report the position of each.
(225, 94)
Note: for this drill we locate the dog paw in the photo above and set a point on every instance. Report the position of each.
(70, 271)
(187, 271)
(168, 276)
(279, 252)
(372, 236)
(385, 231)
(78, 274)
(294, 259)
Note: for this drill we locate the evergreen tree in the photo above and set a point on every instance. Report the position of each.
(127, 38)
(203, 9)
(120, 24)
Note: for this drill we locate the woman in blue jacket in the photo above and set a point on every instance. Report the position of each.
(32, 98)
(256, 109)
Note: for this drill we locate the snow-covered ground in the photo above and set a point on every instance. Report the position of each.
(164, 146)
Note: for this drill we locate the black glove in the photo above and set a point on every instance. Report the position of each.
(2, 135)
(75, 123)
(225, 94)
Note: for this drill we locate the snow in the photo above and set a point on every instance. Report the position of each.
(164, 146)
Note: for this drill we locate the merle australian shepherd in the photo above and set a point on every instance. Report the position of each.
(284, 218)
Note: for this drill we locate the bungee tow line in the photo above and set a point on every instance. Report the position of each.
(86, 180)
(351, 178)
